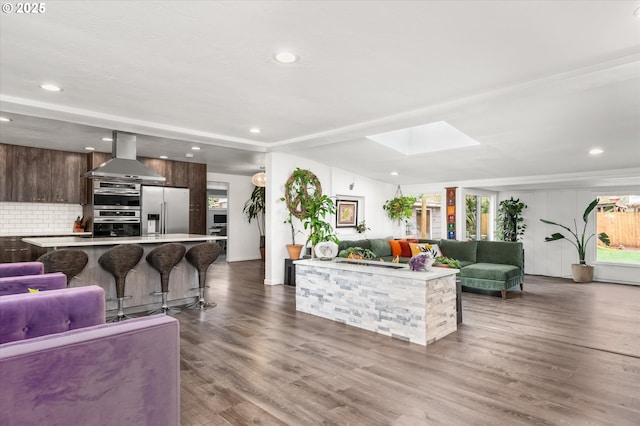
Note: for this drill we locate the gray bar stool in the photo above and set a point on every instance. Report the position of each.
(68, 261)
(164, 259)
(201, 256)
(119, 261)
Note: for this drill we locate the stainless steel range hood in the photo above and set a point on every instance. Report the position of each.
(123, 165)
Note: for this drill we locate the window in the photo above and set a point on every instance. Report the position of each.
(479, 217)
(619, 217)
(432, 216)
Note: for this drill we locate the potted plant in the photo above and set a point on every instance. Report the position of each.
(446, 262)
(293, 248)
(254, 208)
(510, 221)
(362, 227)
(317, 208)
(400, 207)
(304, 199)
(357, 253)
(581, 271)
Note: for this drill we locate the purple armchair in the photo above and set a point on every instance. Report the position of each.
(117, 373)
(22, 283)
(21, 268)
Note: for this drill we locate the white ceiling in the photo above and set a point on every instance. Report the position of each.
(537, 83)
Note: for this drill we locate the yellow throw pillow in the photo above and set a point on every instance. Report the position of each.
(33, 290)
(416, 248)
(423, 247)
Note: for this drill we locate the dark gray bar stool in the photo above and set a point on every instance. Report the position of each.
(119, 261)
(68, 261)
(164, 259)
(202, 256)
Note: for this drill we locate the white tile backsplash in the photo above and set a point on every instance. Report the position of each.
(38, 218)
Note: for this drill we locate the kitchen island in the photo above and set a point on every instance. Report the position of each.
(386, 298)
(143, 281)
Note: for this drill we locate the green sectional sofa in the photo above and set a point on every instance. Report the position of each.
(488, 265)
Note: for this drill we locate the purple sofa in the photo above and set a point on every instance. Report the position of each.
(125, 373)
(22, 283)
(21, 268)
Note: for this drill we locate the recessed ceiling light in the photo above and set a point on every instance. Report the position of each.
(107, 139)
(188, 155)
(254, 130)
(394, 173)
(195, 148)
(596, 151)
(164, 157)
(89, 148)
(5, 119)
(51, 87)
(285, 57)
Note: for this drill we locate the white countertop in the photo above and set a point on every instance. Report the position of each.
(46, 234)
(378, 268)
(110, 241)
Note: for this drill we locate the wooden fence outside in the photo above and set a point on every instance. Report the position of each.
(623, 228)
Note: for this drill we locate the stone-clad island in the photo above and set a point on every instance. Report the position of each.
(387, 298)
(143, 280)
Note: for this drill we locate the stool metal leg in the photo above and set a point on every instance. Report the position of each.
(201, 303)
(120, 316)
(164, 308)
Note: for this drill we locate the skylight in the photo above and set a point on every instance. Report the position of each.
(432, 137)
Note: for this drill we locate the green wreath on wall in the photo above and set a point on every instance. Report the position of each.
(301, 187)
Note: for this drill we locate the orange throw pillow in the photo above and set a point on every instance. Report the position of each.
(395, 248)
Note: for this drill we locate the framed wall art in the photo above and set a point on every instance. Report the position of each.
(346, 213)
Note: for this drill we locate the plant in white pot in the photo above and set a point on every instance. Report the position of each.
(304, 199)
(581, 271)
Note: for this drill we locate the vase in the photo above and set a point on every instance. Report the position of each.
(582, 273)
(294, 250)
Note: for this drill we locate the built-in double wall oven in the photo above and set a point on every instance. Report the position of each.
(116, 209)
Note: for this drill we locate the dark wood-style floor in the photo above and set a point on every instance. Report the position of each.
(561, 353)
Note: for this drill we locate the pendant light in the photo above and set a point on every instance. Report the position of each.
(259, 179)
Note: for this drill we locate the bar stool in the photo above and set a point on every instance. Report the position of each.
(119, 261)
(68, 261)
(164, 259)
(202, 256)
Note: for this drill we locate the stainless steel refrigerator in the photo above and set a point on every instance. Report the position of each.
(165, 210)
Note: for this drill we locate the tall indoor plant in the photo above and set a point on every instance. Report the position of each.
(581, 271)
(510, 222)
(318, 207)
(304, 199)
(293, 248)
(255, 208)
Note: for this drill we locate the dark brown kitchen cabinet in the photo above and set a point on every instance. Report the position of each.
(197, 198)
(13, 249)
(67, 183)
(180, 173)
(161, 167)
(30, 169)
(5, 178)
(94, 159)
(175, 172)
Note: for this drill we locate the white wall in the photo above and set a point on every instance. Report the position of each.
(334, 182)
(563, 206)
(243, 239)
